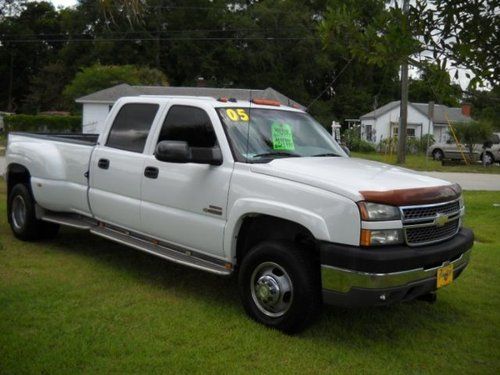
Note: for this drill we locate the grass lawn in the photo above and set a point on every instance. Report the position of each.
(82, 304)
(419, 163)
(3, 143)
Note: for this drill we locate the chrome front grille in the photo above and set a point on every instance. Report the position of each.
(430, 211)
(427, 224)
(431, 233)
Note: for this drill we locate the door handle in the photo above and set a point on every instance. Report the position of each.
(103, 163)
(151, 172)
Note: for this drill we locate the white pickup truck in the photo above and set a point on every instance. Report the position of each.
(253, 188)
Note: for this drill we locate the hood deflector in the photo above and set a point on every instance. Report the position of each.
(407, 197)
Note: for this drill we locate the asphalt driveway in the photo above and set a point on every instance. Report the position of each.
(468, 181)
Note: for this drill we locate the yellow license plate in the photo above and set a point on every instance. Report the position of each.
(445, 275)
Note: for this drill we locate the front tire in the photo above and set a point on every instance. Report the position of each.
(280, 285)
(22, 217)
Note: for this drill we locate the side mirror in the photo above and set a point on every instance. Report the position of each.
(173, 151)
(180, 152)
(346, 150)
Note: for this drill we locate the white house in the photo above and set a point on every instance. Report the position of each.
(97, 105)
(384, 121)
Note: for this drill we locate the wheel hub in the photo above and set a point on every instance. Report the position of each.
(18, 210)
(268, 290)
(272, 289)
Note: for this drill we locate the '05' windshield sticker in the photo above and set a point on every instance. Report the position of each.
(282, 137)
(238, 114)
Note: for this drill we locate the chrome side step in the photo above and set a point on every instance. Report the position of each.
(162, 250)
(70, 220)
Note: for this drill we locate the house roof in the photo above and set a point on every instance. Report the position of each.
(440, 112)
(112, 94)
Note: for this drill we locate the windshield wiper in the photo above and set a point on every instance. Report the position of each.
(276, 153)
(325, 154)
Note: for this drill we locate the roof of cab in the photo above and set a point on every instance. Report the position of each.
(112, 94)
(216, 103)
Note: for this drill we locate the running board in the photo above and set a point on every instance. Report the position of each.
(184, 257)
(70, 220)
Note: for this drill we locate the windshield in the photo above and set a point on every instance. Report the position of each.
(257, 135)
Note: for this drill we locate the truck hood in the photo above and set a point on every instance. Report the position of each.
(346, 176)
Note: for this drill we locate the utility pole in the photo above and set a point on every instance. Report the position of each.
(11, 83)
(403, 112)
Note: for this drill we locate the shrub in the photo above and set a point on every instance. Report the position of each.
(43, 123)
(471, 133)
(388, 145)
(354, 142)
(425, 141)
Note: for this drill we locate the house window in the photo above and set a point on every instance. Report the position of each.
(409, 132)
(369, 133)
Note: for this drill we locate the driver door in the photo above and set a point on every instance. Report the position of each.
(185, 203)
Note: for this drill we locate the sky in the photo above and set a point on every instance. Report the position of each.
(66, 3)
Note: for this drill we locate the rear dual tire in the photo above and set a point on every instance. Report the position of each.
(22, 218)
(280, 286)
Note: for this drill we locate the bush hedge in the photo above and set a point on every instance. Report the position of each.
(43, 123)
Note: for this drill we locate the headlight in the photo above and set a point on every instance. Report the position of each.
(378, 212)
(461, 201)
(377, 237)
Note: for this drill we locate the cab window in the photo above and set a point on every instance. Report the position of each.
(189, 124)
(131, 126)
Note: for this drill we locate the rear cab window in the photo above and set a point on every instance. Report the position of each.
(131, 126)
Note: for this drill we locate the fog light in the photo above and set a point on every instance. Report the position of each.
(381, 237)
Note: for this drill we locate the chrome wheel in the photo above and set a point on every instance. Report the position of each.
(272, 289)
(437, 155)
(18, 212)
(487, 159)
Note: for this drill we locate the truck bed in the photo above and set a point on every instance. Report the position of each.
(58, 164)
(77, 138)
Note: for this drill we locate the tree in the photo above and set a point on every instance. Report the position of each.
(435, 85)
(471, 133)
(45, 89)
(486, 105)
(460, 33)
(28, 42)
(98, 77)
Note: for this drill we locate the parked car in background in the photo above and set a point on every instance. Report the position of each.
(450, 150)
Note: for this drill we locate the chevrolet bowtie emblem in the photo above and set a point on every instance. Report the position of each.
(441, 219)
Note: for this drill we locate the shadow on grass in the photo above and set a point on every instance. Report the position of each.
(395, 323)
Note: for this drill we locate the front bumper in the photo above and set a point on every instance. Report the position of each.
(354, 276)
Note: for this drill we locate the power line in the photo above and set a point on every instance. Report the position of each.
(97, 39)
(331, 83)
(165, 31)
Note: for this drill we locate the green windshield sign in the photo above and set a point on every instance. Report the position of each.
(282, 137)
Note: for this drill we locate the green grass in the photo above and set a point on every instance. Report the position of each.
(81, 304)
(419, 163)
(3, 143)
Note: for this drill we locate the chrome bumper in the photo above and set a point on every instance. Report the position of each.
(343, 280)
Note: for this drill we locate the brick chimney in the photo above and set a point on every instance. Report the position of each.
(466, 109)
